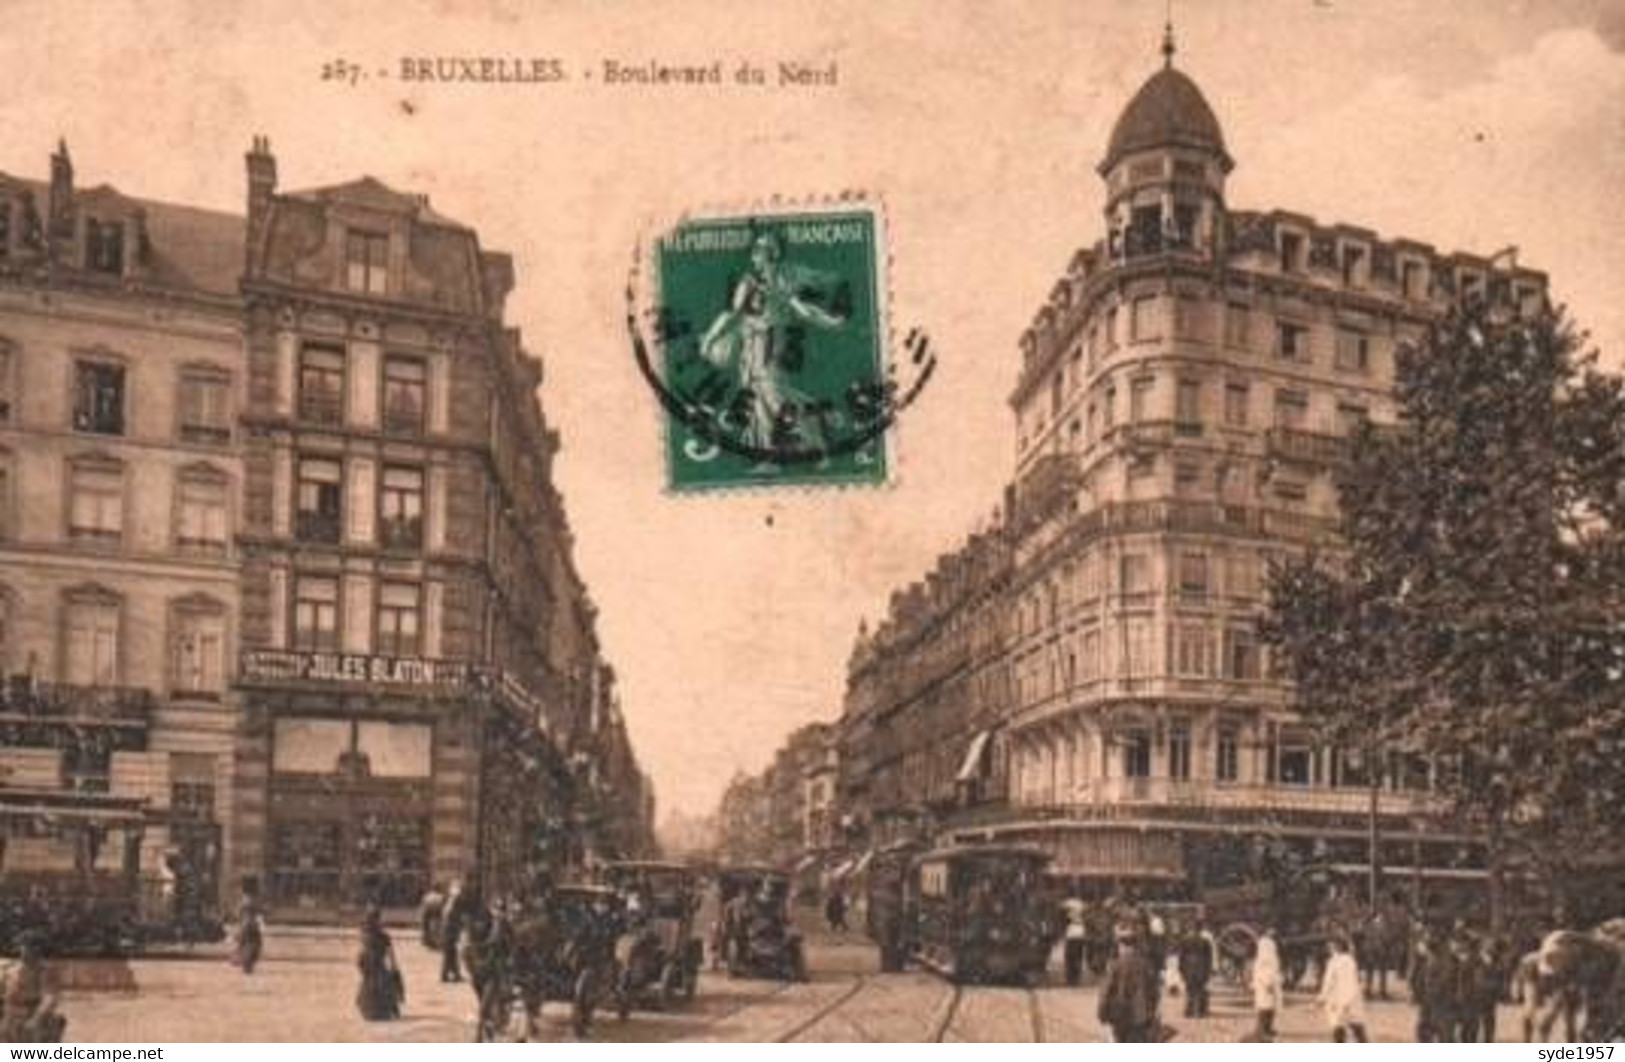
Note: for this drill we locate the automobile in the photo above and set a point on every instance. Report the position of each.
(983, 913)
(563, 948)
(659, 953)
(756, 934)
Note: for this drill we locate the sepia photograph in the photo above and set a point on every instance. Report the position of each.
(785, 521)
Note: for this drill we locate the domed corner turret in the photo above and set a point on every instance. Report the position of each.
(1165, 167)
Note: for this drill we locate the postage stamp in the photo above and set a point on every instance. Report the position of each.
(771, 337)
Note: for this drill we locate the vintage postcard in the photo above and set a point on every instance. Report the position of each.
(782, 521)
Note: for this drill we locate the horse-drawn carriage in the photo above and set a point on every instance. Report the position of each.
(1296, 903)
(658, 955)
(756, 936)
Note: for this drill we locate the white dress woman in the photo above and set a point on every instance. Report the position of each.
(1268, 995)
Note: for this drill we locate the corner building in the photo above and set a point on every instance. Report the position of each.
(1184, 397)
(419, 663)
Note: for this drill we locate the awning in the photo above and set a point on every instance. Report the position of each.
(975, 765)
(853, 867)
(842, 869)
(863, 862)
(805, 861)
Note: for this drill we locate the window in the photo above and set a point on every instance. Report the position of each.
(7, 364)
(1136, 754)
(1179, 751)
(1142, 318)
(1141, 467)
(1139, 392)
(96, 502)
(1227, 755)
(399, 619)
(1055, 384)
(1188, 407)
(1291, 252)
(1134, 573)
(1353, 265)
(1353, 350)
(91, 642)
(1294, 764)
(1193, 650)
(98, 397)
(1111, 328)
(1241, 659)
(1186, 477)
(104, 246)
(198, 651)
(1291, 491)
(1412, 279)
(1241, 576)
(366, 257)
(321, 492)
(1291, 409)
(1193, 575)
(316, 612)
(400, 507)
(321, 385)
(200, 511)
(405, 383)
(1471, 284)
(205, 407)
(1089, 423)
(1291, 341)
(1190, 317)
(1137, 647)
(1236, 320)
(5, 518)
(1235, 405)
(1350, 416)
(1109, 407)
(5, 227)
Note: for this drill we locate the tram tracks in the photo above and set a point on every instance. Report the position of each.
(822, 1012)
(943, 1020)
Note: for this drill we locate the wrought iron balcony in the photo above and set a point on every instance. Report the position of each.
(28, 702)
(1307, 447)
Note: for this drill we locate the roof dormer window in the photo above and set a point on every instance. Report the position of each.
(366, 259)
(1290, 246)
(1354, 265)
(104, 246)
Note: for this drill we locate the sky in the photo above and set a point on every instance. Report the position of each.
(1468, 124)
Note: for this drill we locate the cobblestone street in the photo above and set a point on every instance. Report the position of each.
(306, 986)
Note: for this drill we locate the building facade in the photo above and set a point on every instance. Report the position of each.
(287, 594)
(420, 665)
(122, 370)
(1184, 397)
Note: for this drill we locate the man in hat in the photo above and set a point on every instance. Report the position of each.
(28, 1011)
(1128, 997)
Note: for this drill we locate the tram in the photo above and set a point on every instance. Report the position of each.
(982, 913)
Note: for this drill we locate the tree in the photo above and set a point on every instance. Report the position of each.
(1475, 615)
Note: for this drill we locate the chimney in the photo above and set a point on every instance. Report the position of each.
(261, 166)
(61, 206)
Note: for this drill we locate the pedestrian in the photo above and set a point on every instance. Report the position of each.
(1488, 987)
(432, 915)
(1435, 984)
(1268, 994)
(835, 910)
(1076, 940)
(460, 908)
(1196, 960)
(28, 1013)
(1342, 997)
(382, 989)
(1128, 1003)
(1461, 1004)
(250, 930)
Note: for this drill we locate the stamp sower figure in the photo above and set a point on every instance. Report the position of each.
(755, 331)
(382, 990)
(28, 1011)
(1128, 998)
(1341, 995)
(1267, 989)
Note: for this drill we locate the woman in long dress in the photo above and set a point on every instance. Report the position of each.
(379, 998)
(1341, 995)
(1267, 989)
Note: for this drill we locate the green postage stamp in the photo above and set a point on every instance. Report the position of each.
(771, 341)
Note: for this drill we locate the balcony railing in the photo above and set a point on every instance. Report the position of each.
(51, 702)
(1310, 447)
(1111, 797)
